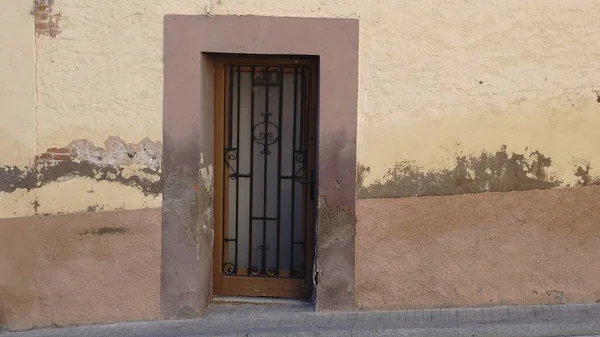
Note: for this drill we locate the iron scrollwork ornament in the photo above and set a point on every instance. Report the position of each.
(299, 157)
(271, 272)
(229, 269)
(265, 133)
(267, 76)
(231, 154)
(254, 271)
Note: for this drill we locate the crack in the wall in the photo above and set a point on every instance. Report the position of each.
(488, 172)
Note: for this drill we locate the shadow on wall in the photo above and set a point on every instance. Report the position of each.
(489, 172)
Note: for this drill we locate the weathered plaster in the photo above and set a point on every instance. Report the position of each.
(187, 164)
(46, 20)
(560, 127)
(18, 203)
(585, 177)
(188, 111)
(84, 268)
(432, 75)
(498, 172)
(17, 85)
(335, 254)
(13, 178)
(118, 176)
(88, 195)
(17, 273)
(527, 247)
(438, 81)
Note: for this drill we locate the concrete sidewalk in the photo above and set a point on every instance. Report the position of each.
(301, 320)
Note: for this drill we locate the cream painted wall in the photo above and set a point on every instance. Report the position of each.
(421, 64)
(17, 86)
(469, 76)
(17, 99)
(437, 79)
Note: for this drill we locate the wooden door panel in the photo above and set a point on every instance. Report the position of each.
(265, 150)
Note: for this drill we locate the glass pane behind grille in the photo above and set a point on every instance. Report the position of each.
(265, 173)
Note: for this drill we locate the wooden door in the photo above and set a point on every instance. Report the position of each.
(265, 143)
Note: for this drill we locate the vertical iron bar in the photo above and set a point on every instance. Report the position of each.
(237, 168)
(230, 147)
(266, 150)
(302, 112)
(294, 169)
(280, 145)
(306, 157)
(230, 107)
(251, 211)
(225, 169)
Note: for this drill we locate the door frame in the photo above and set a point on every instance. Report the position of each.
(258, 286)
(188, 149)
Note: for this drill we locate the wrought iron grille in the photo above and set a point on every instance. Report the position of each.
(266, 175)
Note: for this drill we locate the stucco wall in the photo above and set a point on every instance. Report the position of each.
(444, 80)
(79, 269)
(440, 84)
(486, 249)
(454, 97)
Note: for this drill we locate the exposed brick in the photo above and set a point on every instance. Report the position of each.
(58, 150)
(62, 157)
(41, 26)
(45, 156)
(41, 16)
(46, 23)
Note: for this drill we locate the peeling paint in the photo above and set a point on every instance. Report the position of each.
(137, 165)
(489, 172)
(67, 169)
(106, 231)
(205, 196)
(585, 178)
(180, 198)
(556, 295)
(94, 208)
(340, 224)
(13, 178)
(187, 312)
(117, 152)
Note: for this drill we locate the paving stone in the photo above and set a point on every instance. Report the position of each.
(258, 321)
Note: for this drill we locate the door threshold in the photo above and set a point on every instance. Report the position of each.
(220, 300)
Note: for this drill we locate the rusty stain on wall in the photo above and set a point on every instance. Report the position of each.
(137, 165)
(489, 172)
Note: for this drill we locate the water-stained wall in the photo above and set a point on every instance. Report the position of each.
(444, 87)
(463, 97)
